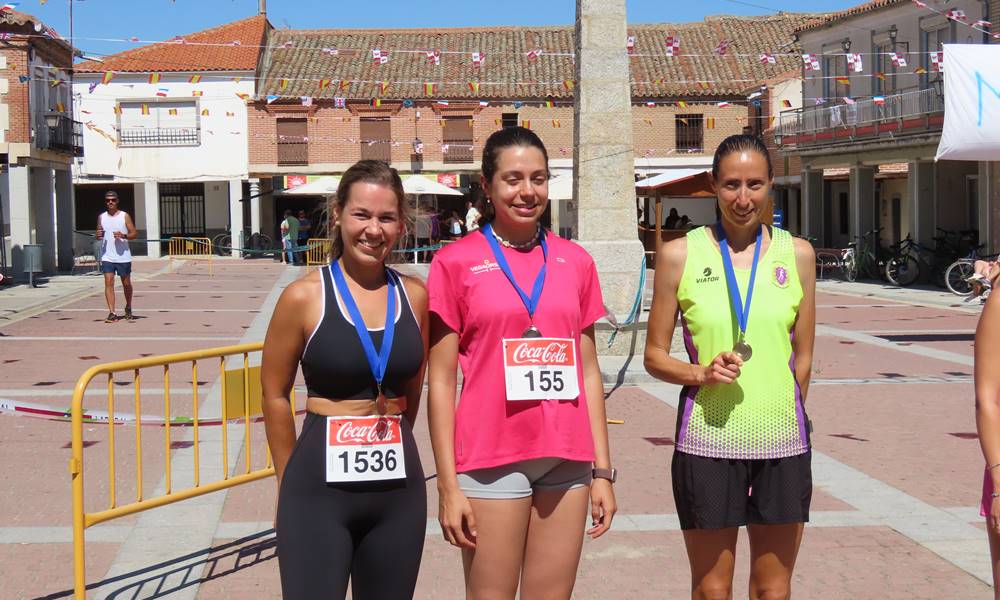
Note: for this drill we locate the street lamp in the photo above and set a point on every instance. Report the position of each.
(893, 32)
(846, 44)
(52, 119)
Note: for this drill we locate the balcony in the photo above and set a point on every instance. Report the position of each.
(147, 137)
(56, 131)
(293, 151)
(907, 114)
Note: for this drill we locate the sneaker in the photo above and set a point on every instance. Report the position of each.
(128, 315)
(111, 318)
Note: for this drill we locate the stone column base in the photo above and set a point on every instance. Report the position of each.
(618, 264)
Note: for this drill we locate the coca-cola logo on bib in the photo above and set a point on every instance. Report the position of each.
(540, 352)
(364, 432)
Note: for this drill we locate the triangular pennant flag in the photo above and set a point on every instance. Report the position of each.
(194, 79)
(144, 108)
(154, 78)
(204, 112)
(324, 83)
(172, 112)
(108, 76)
(282, 84)
(429, 89)
(383, 87)
(474, 87)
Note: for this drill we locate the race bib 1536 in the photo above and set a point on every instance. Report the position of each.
(364, 449)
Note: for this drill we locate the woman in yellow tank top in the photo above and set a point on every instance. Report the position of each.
(745, 292)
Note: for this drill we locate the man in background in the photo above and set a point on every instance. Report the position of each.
(115, 229)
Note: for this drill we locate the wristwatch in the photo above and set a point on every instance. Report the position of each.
(609, 474)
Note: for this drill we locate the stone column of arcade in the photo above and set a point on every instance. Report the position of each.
(603, 167)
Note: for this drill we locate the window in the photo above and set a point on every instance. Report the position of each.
(933, 41)
(883, 64)
(509, 120)
(457, 140)
(293, 141)
(158, 124)
(689, 133)
(834, 66)
(376, 139)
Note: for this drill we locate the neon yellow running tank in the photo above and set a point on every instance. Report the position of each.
(760, 415)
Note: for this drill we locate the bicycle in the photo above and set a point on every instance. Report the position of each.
(956, 276)
(865, 257)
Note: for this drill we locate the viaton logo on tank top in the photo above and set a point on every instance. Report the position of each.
(708, 277)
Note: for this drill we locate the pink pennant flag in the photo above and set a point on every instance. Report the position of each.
(478, 58)
(848, 100)
(767, 59)
(854, 61)
(330, 51)
(673, 45)
(722, 47)
(981, 24)
(630, 44)
(811, 62)
(937, 59)
(898, 59)
(433, 57)
(956, 14)
(533, 54)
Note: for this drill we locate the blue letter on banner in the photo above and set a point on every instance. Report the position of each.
(979, 89)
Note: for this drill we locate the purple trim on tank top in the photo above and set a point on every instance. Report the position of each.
(692, 390)
(799, 410)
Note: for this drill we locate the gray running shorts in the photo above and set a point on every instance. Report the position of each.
(520, 479)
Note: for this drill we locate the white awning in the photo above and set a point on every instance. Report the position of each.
(323, 185)
(418, 184)
(561, 187)
(668, 177)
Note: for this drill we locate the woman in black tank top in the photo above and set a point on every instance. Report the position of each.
(352, 503)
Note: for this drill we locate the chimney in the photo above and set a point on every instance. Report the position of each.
(263, 7)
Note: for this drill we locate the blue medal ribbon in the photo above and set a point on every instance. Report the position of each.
(742, 310)
(530, 302)
(377, 361)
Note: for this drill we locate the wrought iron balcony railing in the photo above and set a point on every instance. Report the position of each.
(56, 131)
(159, 136)
(912, 112)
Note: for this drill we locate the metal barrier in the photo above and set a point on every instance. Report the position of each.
(318, 251)
(187, 248)
(240, 400)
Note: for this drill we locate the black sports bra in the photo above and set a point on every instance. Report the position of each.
(334, 363)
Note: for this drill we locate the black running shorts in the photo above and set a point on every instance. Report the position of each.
(717, 493)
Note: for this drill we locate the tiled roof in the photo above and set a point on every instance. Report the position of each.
(30, 25)
(208, 50)
(850, 12)
(297, 60)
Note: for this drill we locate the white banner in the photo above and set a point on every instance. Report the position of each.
(971, 103)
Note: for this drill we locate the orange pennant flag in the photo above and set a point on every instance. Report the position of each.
(108, 76)
(383, 87)
(154, 78)
(474, 87)
(145, 109)
(324, 83)
(194, 79)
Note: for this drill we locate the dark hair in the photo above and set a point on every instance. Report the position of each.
(111, 194)
(366, 171)
(499, 141)
(741, 143)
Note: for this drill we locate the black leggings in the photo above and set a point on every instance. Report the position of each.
(370, 532)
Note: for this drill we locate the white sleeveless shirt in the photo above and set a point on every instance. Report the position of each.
(115, 249)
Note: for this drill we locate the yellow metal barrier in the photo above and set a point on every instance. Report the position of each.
(318, 252)
(240, 400)
(188, 248)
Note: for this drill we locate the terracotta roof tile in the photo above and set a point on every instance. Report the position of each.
(251, 33)
(850, 12)
(298, 57)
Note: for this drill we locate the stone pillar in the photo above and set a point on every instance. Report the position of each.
(793, 216)
(43, 202)
(19, 194)
(603, 163)
(987, 183)
(254, 206)
(148, 195)
(920, 196)
(812, 204)
(862, 199)
(236, 214)
(65, 219)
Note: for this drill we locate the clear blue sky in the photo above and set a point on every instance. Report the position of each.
(163, 19)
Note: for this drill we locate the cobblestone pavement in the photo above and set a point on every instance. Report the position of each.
(897, 467)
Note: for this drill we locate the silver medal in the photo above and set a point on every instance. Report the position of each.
(532, 332)
(743, 350)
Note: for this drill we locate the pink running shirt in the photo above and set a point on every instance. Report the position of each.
(470, 293)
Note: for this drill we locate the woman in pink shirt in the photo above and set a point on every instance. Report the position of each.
(515, 305)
